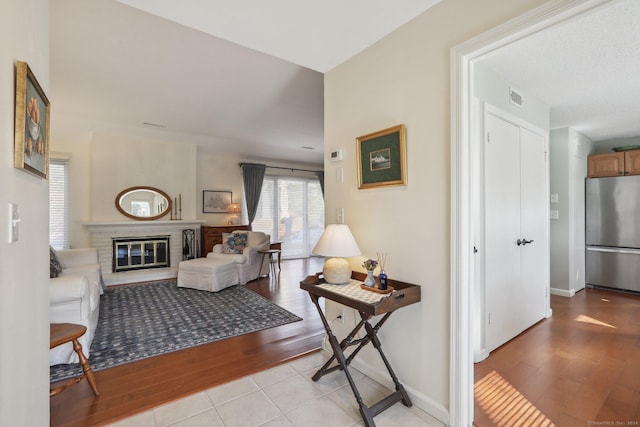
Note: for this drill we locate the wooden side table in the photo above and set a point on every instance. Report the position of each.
(61, 333)
(278, 246)
(272, 261)
(368, 306)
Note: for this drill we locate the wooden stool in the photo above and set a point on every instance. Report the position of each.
(61, 333)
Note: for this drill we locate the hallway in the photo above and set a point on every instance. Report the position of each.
(580, 367)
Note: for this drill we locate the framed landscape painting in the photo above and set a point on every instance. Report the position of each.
(31, 132)
(215, 201)
(382, 158)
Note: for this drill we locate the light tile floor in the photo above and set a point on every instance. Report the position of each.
(284, 396)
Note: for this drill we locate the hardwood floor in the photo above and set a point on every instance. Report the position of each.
(579, 368)
(135, 387)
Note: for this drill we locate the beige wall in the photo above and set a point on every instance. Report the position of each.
(24, 275)
(104, 160)
(405, 78)
(121, 161)
(219, 173)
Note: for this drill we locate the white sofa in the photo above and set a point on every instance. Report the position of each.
(250, 263)
(75, 298)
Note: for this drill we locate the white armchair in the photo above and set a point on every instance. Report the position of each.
(75, 298)
(250, 263)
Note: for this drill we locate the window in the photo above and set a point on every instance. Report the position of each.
(58, 204)
(291, 210)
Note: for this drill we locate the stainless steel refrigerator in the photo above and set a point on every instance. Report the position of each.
(613, 232)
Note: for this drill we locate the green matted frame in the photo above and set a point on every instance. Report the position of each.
(382, 158)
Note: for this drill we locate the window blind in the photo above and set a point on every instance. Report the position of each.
(58, 204)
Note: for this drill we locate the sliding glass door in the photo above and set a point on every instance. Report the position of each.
(291, 210)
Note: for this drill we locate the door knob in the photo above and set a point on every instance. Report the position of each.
(523, 242)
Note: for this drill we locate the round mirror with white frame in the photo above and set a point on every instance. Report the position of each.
(143, 203)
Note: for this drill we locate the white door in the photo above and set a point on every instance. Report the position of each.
(515, 211)
(533, 227)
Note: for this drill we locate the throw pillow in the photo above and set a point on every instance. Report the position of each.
(55, 265)
(234, 243)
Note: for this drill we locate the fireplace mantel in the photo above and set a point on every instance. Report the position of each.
(103, 233)
(179, 224)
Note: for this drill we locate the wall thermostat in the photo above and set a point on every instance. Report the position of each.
(335, 156)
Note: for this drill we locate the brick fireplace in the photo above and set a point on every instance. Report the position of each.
(141, 240)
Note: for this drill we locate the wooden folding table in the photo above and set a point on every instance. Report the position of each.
(368, 304)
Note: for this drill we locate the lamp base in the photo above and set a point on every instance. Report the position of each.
(336, 271)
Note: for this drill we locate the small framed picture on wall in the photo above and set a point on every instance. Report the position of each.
(382, 158)
(214, 201)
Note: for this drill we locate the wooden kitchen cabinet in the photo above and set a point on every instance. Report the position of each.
(632, 162)
(212, 235)
(614, 164)
(607, 164)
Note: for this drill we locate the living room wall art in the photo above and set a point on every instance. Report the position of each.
(215, 201)
(382, 158)
(31, 133)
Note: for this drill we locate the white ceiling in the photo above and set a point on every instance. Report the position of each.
(587, 70)
(315, 34)
(116, 65)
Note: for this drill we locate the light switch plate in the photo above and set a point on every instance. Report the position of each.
(14, 220)
(555, 214)
(554, 198)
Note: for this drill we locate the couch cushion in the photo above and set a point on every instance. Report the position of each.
(234, 243)
(55, 265)
(257, 238)
(233, 258)
(92, 274)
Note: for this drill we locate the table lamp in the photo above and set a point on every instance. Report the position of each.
(233, 209)
(336, 242)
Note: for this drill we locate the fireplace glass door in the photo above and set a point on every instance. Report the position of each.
(140, 253)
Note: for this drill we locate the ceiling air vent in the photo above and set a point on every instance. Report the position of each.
(515, 97)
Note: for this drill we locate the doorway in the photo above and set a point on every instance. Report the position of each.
(516, 237)
(463, 176)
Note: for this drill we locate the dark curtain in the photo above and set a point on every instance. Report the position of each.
(320, 175)
(252, 177)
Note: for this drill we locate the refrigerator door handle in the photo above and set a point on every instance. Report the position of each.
(614, 250)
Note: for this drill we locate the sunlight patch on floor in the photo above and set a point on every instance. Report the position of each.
(505, 405)
(587, 319)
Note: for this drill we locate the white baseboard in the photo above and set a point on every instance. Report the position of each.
(563, 292)
(423, 402)
(480, 355)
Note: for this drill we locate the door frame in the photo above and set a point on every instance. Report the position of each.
(463, 151)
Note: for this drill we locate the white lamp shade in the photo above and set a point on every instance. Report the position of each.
(336, 241)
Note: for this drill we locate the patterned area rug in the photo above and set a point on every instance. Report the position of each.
(146, 320)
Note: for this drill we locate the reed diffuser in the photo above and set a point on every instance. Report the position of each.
(382, 276)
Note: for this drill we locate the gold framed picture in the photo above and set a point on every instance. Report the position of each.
(382, 158)
(31, 133)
